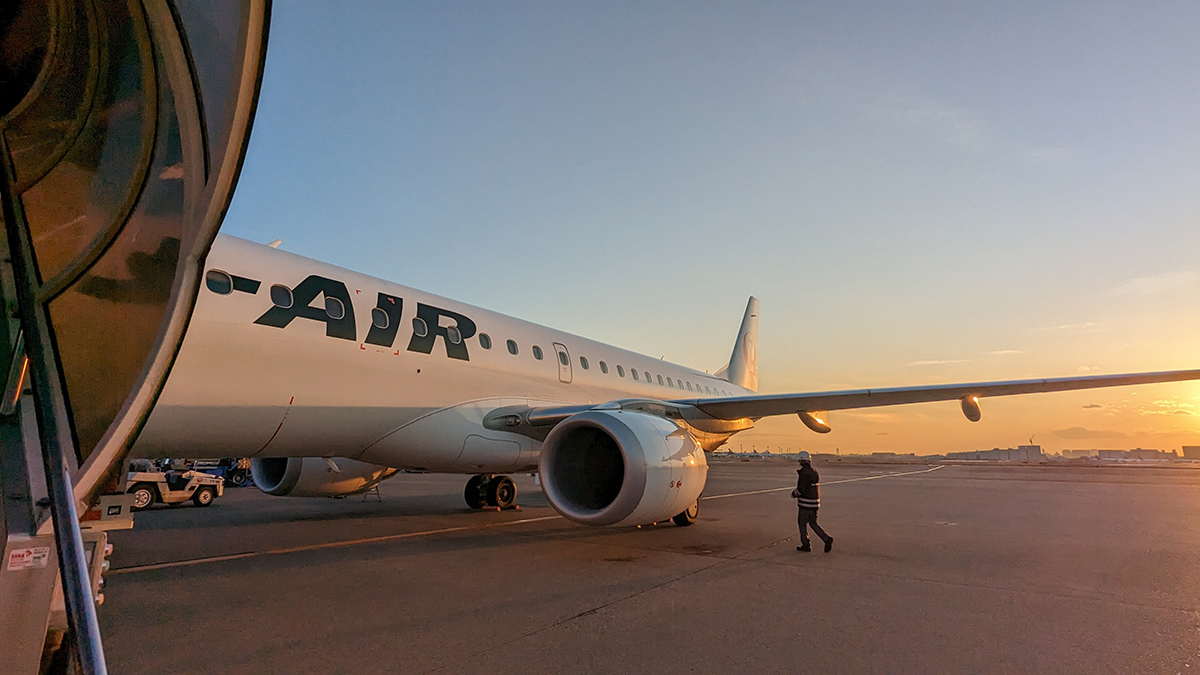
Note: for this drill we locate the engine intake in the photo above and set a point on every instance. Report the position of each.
(315, 476)
(613, 467)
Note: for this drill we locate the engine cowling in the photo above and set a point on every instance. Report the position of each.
(613, 467)
(315, 476)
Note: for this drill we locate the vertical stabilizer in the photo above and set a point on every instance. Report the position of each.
(743, 364)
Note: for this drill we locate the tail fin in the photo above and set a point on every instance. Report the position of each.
(743, 364)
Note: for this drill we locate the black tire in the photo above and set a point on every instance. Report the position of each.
(502, 492)
(688, 517)
(474, 493)
(144, 495)
(239, 478)
(204, 496)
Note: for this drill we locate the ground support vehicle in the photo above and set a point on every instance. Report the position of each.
(173, 487)
(235, 470)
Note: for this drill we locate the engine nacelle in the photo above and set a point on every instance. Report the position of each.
(613, 467)
(315, 476)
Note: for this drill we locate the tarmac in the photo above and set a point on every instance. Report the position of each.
(980, 569)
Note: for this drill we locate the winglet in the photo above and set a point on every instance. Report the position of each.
(743, 364)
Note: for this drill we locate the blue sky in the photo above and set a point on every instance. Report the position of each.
(932, 192)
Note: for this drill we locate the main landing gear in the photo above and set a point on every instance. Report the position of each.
(488, 490)
(687, 517)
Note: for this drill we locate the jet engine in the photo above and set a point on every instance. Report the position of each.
(614, 467)
(315, 476)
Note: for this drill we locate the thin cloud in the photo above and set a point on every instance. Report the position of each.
(1092, 405)
(1159, 284)
(1167, 407)
(1004, 352)
(1085, 327)
(1082, 433)
(1048, 154)
(936, 362)
(954, 125)
(1086, 369)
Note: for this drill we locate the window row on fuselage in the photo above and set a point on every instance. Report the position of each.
(643, 375)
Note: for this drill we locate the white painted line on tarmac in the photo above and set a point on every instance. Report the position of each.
(317, 547)
(832, 482)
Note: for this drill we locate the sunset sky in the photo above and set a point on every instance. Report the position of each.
(934, 192)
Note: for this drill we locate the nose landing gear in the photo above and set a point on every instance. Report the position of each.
(488, 490)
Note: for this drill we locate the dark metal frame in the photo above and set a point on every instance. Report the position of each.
(53, 428)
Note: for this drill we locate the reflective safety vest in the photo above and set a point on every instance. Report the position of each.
(808, 488)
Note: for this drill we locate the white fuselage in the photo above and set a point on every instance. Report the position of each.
(284, 387)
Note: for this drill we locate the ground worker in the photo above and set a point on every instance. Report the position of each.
(808, 499)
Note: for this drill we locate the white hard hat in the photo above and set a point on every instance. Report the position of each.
(803, 456)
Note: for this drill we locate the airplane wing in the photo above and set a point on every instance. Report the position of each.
(789, 404)
(805, 404)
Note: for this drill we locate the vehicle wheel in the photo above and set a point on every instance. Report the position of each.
(502, 492)
(687, 517)
(204, 496)
(474, 493)
(236, 478)
(143, 497)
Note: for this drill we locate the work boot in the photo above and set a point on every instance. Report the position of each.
(804, 549)
(829, 544)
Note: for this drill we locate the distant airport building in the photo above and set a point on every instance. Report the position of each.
(1137, 454)
(1021, 453)
(1191, 452)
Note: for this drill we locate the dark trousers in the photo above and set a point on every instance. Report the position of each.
(809, 517)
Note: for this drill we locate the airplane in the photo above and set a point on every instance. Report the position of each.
(332, 381)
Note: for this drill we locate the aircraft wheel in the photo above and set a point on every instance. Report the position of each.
(502, 492)
(204, 496)
(688, 517)
(143, 497)
(474, 492)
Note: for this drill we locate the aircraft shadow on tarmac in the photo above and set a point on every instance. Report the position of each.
(314, 509)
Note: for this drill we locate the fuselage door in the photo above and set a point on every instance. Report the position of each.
(564, 363)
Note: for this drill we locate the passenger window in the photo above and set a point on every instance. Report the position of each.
(562, 358)
(537, 352)
(583, 362)
(512, 347)
(620, 371)
(454, 335)
(334, 308)
(689, 386)
(280, 295)
(670, 383)
(485, 340)
(420, 329)
(660, 382)
(219, 282)
(379, 318)
(633, 372)
(706, 391)
(604, 367)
